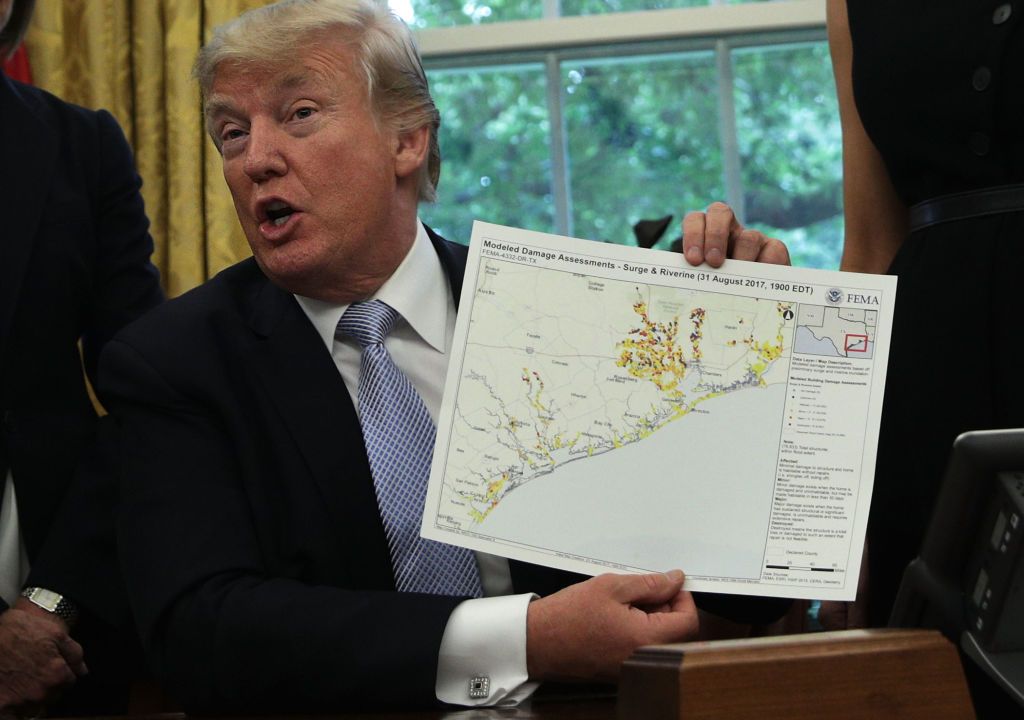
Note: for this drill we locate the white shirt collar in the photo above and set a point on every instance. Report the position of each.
(418, 290)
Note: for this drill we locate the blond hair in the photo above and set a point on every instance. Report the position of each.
(385, 47)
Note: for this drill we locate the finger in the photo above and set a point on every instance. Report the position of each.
(648, 589)
(721, 227)
(747, 244)
(683, 602)
(681, 623)
(655, 607)
(55, 674)
(73, 655)
(755, 246)
(64, 674)
(775, 252)
(693, 237)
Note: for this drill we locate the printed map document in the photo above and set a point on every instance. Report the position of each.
(610, 408)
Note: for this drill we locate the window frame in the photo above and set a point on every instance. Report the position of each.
(719, 28)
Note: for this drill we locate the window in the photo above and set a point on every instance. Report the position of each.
(583, 125)
(495, 150)
(648, 140)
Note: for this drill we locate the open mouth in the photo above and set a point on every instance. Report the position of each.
(278, 212)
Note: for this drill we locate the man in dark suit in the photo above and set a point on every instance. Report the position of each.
(74, 267)
(258, 552)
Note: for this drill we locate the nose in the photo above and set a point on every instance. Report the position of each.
(263, 157)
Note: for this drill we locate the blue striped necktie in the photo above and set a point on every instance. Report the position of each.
(399, 438)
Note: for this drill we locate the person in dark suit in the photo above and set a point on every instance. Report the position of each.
(263, 568)
(74, 267)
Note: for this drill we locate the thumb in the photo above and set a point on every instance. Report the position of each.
(652, 588)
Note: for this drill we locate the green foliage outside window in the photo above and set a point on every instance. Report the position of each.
(496, 159)
(643, 138)
(643, 141)
(787, 125)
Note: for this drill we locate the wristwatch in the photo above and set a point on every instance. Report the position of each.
(52, 602)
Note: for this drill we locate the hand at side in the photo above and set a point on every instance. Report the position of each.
(37, 656)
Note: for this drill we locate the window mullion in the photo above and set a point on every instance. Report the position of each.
(561, 186)
(731, 168)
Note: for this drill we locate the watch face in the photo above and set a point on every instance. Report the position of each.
(46, 599)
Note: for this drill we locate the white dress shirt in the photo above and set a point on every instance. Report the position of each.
(13, 560)
(484, 636)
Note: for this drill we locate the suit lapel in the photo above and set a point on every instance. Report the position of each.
(453, 260)
(300, 376)
(527, 577)
(29, 148)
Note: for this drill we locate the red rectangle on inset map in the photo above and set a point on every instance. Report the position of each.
(856, 343)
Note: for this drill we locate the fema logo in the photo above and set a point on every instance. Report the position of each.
(834, 295)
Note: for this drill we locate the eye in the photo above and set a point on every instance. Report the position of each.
(303, 112)
(231, 133)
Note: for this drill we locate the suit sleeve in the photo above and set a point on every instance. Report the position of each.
(78, 557)
(225, 631)
(126, 284)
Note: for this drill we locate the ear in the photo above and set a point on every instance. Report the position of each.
(411, 151)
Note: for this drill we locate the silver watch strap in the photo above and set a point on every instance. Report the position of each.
(52, 602)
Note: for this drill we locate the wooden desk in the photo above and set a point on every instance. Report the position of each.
(883, 674)
(855, 674)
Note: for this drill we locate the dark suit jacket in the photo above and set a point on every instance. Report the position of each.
(74, 266)
(252, 546)
(253, 550)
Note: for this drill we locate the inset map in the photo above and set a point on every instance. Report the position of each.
(835, 332)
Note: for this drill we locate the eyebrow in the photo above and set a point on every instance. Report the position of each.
(222, 104)
(217, 105)
(292, 80)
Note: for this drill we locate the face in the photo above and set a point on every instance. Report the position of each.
(326, 195)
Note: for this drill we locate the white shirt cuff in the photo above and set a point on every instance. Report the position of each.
(485, 638)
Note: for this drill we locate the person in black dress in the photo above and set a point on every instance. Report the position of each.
(928, 114)
(933, 159)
